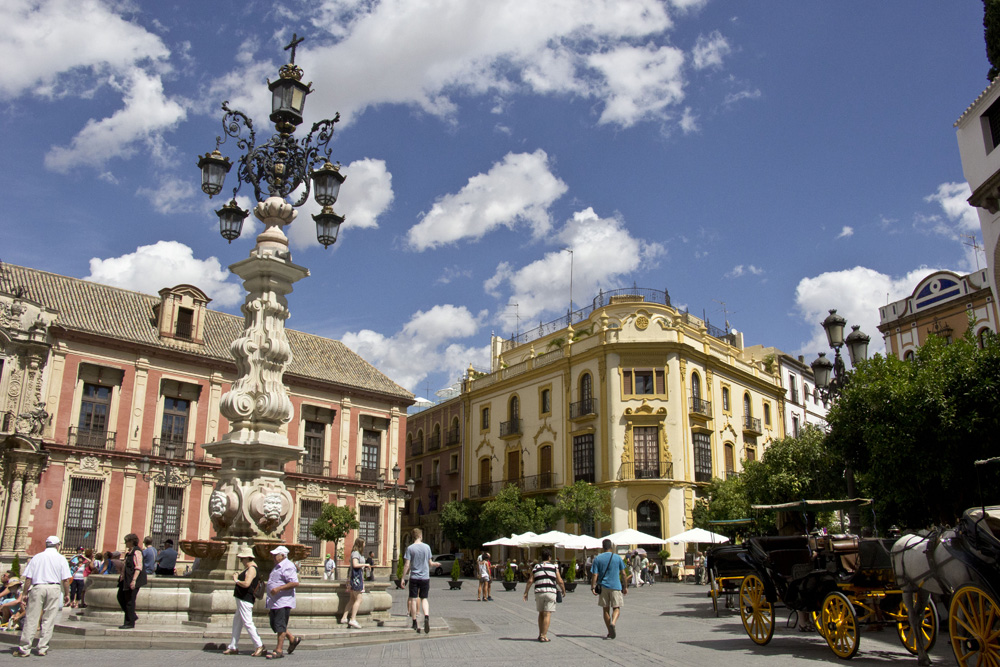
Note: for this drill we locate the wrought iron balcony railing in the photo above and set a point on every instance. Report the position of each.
(91, 438)
(646, 470)
(584, 408)
(366, 474)
(451, 437)
(434, 441)
(510, 428)
(751, 424)
(417, 448)
(313, 467)
(529, 484)
(701, 407)
(172, 448)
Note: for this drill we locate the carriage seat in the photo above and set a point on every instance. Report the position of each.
(785, 552)
(987, 528)
(844, 548)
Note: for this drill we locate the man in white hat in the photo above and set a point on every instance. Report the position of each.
(45, 573)
(281, 600)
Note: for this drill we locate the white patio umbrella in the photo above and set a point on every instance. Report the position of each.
(545, 539)
(501, 542)
(633, 536)
(518, 539)
(580, 542)
(698, 535)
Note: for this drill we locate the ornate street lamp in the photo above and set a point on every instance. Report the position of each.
(280, 165)
(832, 377)
(171, 475)
(410, 485)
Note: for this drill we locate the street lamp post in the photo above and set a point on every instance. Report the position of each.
(410, 485)
(171, 475)
(831, 377)
(250, 501)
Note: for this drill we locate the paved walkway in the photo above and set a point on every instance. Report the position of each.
(666, 624)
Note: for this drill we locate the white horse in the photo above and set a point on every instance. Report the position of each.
(936, 564)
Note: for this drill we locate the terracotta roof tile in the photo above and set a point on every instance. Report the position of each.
(126, 315)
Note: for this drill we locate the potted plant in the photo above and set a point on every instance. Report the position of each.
(456, 571)
(400, 564)
(664, 568)
(570, 580)
(508, 578)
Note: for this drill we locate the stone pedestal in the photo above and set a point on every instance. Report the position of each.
(210, 602)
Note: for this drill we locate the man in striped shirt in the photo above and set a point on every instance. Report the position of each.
(547, 580)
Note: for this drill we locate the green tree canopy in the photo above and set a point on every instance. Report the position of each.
(991, 23)
(794, 469)
(723, 500)
(583, 503)
(510, 512)
(913, 429)
(462, 525)
(334, 522)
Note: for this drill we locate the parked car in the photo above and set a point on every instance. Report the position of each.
(446, 562)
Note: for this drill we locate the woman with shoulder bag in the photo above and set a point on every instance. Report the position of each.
(244, 594)
(548, 587)
(356, 583)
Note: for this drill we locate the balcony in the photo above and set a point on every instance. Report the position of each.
(531, 484)
(370, 475)
(646, 470)
(701, 408)
(434, 442)
(313, 467)
(91, 438)
(583, 409)
(752, 425)
(510, 429)
(172, 448)
(417, 448)
(452, 437)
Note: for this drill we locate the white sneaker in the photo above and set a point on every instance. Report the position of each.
(354, 624)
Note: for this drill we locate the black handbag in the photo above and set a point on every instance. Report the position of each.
(598, 588)
(558, 596)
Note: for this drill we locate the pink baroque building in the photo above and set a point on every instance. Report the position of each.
(107, 397)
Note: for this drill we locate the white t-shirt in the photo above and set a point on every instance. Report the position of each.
(48, 567)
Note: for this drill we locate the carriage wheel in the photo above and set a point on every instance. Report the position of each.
(840, 625)
(974, 624)
(755, 611)
(929, 623)
(814, 616)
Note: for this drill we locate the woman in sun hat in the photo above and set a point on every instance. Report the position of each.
(243, 592)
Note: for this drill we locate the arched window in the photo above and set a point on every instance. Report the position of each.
(420, 441)
(514, 409)
(981, 337)
(435, 437)
(647, 520)
(908, 355)
(730, 452)
(767, 414)
(746, 405)
(695, 387)
(409, 443)
(725, 399)
(586, 390)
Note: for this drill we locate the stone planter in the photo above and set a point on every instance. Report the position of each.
(570, 586)
(455, 585)
(509, 585)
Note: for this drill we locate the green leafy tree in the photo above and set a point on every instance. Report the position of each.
(334, 522)
(912, 430)
(461, 524)
(510, 512)
(584, 504)
(724, 500)
(991, 23)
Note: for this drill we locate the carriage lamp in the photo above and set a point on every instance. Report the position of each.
(282, 164)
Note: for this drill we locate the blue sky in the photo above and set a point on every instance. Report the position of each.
(782, 158)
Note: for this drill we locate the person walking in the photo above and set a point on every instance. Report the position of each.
(148, 555)
(370, 576)
(418, 567)
(330, 568)
(485, 578)
(547, 580)
(43, 576)
(281, 585)
(243, 592)
(355, 583)
(609, 572)
(131, 578)
(644, 570)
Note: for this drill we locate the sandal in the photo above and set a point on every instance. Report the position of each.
(275, 655)
(259, 651)
(231, 651)
(544, 639)
(294, 644)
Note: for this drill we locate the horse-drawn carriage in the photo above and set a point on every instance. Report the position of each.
(840, 583)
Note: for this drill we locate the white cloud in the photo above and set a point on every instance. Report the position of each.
(426, 53)
(709, 51)
(172, 195)
(688, 122)
(953, 199)
(733, 98)
(857, 294)
(146, 114)
(423, 346)
(166, 264)
(603, 252)
(518, 190)
(845, 232)
(741, 270)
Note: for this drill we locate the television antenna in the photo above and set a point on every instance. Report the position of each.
(973, 243)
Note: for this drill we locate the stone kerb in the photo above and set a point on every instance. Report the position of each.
(206, 602)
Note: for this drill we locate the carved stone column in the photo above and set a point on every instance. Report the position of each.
(14, 487)
(250, 500)
(27, 499)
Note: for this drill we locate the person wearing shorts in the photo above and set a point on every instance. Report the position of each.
(547, 580)
(485, 578)
(281, 585)
(417, 571)
(608, 570)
